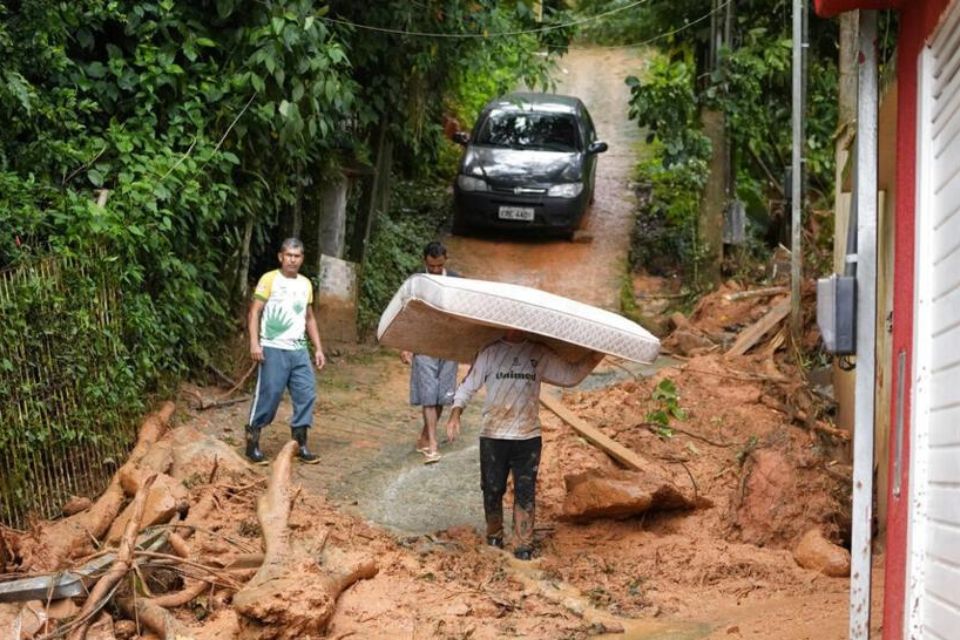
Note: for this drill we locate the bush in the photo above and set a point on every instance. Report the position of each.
(396, 244)
(665, 237)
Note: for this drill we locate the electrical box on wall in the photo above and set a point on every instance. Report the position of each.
(837, 313)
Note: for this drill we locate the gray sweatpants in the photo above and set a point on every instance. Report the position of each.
(282, 369)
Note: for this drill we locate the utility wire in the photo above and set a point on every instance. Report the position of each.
(499, 34)
(666, 34)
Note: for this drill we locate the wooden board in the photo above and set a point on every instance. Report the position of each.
(752, 334)
(592, 435)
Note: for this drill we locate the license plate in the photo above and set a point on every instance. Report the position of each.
(516, 213)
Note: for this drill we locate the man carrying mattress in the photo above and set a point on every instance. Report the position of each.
(432, 380)
(512, 369)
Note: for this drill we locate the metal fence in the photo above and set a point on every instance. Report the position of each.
(54, 442)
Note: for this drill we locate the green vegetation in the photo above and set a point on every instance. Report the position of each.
(667, 397)
(750, 84)
(165, 147)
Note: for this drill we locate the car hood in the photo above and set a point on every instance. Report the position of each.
(501, 166)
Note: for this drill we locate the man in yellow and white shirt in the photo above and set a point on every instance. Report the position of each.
(280, 314)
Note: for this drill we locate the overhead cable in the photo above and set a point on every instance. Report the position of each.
(666, 34)
(497, 34)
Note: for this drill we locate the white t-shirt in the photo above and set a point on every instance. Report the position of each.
(284, 319)
(512, 372)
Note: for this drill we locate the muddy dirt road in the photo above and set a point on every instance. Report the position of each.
(590, 271)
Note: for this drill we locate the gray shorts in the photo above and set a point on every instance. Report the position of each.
(432, 381)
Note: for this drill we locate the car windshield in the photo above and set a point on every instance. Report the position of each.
(525, 130)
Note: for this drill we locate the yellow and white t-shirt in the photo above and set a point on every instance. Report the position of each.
(284, 319)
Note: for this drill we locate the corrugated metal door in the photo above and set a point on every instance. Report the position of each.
(933, 603)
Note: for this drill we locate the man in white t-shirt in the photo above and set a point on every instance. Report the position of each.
(280, 314)
(512, 369)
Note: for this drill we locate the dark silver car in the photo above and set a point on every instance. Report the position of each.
(530, 163)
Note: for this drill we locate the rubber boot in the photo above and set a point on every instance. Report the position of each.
(300, 435)
(523, 553)
(495, 541)
(254, 454)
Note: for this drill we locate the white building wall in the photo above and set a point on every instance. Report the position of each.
(933, 604)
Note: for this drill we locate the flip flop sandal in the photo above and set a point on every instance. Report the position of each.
(431, 457)
(423, 450)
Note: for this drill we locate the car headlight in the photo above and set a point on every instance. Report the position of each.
(568, 190)
(469, 183)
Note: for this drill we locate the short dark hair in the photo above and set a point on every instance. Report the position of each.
(435, 249)
(293, 244)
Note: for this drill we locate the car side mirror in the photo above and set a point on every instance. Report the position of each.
(461, 137)
(597, 147)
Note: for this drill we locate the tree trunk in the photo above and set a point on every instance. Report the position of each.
(369, 201)
(243, 269)
(291, 596)
(710, 227)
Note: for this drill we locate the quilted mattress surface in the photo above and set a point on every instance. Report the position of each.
(453, 318)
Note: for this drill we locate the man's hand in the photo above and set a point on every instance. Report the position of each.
(453, 427)
(256, 351)
(406, 357)
(319, 359)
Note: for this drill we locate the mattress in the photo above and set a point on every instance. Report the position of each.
(453, 318)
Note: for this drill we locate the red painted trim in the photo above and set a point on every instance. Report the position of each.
(831, 8)
(917, 22)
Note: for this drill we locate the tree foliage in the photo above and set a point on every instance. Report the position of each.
(750, 84)
(147, 139)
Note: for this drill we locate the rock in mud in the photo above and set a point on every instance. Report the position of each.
(619, 494)
(819, 554)
(197, 456)
(768, 498)
(166, 497)
(687, 343)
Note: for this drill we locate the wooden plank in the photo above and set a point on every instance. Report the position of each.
(592, 435)
(752, 334)
(755, 293)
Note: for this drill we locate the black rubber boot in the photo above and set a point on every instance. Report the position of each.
(300, 435)
(254, 454)
(495, 541)
(523, 553)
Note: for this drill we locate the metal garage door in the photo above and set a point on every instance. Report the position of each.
(933, 604)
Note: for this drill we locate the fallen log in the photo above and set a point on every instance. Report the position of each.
(120, 567)
(291, 595)
(155, 618)
(50, 546)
